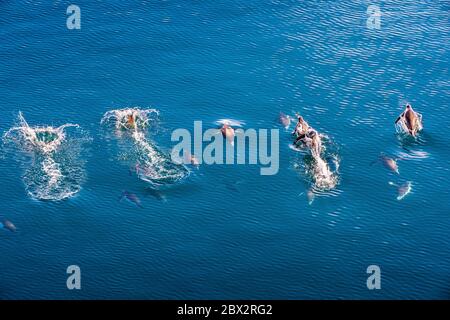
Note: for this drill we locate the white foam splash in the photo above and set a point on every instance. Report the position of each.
(130, 118)
(45, 139)
(50, 176)
(413, 155)
(230, 122)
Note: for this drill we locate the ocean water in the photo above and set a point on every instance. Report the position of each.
(226, 232)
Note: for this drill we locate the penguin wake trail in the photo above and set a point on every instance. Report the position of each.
(150, 163)
(320, 168)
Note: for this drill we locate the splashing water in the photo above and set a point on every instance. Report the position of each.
(317, 165)
(151, 164)
(154, 166)
(54, 173)
(52, 170)
(413, 155)
(230, 122)
(44, 139)
(130, 118)
(323, 177)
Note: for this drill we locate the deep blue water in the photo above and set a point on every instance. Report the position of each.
(226, 231)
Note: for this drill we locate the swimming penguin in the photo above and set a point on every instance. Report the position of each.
(285, 120)
(8, 225)
(228, 133)
(132, 198)
(191, 159)
(410, 120)
(156, 194)
(310, 195)
(388, 163)
(301, 127)
(403, 190)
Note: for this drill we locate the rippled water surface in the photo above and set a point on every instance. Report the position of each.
(226, 231)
